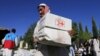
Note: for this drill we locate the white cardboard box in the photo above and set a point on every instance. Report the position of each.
(54, 37)
(55, 21)
(53, 30)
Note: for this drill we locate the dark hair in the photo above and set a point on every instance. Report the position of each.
(13, 30)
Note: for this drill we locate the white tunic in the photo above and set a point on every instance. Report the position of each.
(96, 46)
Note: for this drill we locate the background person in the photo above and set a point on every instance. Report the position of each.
(10, 42)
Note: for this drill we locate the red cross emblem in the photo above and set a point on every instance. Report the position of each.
(60, 23)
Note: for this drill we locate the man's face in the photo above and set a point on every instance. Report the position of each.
(41, 11)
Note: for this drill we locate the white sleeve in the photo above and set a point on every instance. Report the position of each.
(35, 33)
(36, 30)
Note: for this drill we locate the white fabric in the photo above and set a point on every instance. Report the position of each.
(23, 52)
(47, 28)
(36, 52)
(72, 51)
(7, 52)
(80, 50)
(96, 46)
(42, 4)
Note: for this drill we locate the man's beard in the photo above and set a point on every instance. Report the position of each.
(41, 14)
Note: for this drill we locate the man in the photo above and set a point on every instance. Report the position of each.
(47, 50)
(10, 41)
(43, 11)
(96, 46)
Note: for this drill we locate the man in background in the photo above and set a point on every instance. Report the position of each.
(9, 43)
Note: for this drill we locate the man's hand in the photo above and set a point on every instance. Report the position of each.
(71, 32)
(36, 39)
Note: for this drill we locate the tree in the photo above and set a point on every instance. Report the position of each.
(86, 34)
(86, 29)
(83, 35)
(75, 31)
(75, 37)
(80, 27)
(94, 28)
(80, 31)
(29, 36)
(99, 30)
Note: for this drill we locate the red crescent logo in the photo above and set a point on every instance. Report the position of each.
(60, 23)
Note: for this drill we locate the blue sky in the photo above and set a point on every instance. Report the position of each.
(20, 14)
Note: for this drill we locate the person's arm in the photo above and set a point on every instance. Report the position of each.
(3, 40)
(69, 25)
(71, 32)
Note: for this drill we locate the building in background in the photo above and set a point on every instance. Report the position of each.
(3, 32)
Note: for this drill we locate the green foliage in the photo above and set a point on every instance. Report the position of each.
(29, 36)
(94, 28)
(81, 33)
(86, 29)
(99, 31)
(75, 31)
(86, 36)
(80, 36)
